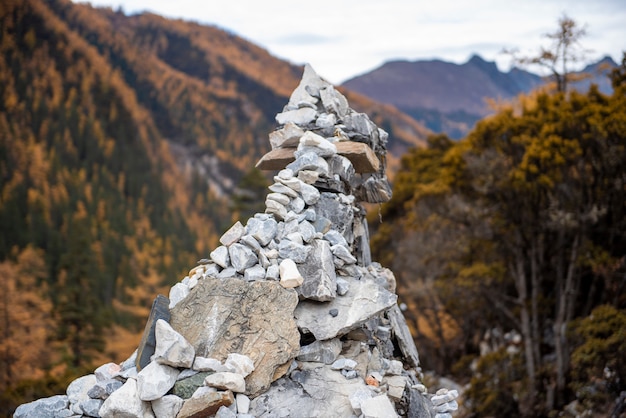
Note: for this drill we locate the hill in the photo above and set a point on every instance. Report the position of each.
(124, 144)
(451, 98)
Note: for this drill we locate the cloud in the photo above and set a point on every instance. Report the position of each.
(303, 39)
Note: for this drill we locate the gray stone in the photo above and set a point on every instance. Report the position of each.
(204, 364)
(342, 286)
(288, 136)
(279, 197)
(297, 205)
(78, 390)
(307, 231)
(447, 407)
(374, 189)
(378, 407)
(254, 273)
(360, 124)
(295, 237)
(281, 188)
(167, 407)
(225, 412)
(251, 242)
(302, 116)
(358, 397)
(227, 381)
(275, 208)
(205, 404)
(104, 388)
(315, 392)
(107, 371)
(322, 224)
(294, 251)
(310, 194)
(321, 351)
(227, 273)
(178, 292)
(220, 256)
(185, 388)
(237, 312)
(172, 348)
(306, 161)
(233, 234)
(241, 257)
(185, 373)
(444, 396)
(125, 403)
(211, 270)
(334, 102)
(397, 385)
(326, 120)
(365, 300)
(403, 336)
(293, 183)
(335, 238)
(313, 142)
(318, 272)
(42, 408)
(155, 380)
(344, 364)
(341, 166)
(343, 254)
(273, 273)
(91, 407)
(339, 214)
(285, 174)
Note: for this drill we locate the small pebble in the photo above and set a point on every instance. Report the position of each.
(333, 312)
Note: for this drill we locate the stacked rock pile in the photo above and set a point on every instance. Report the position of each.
(445, 403)
(288, 317)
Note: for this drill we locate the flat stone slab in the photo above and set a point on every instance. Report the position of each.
(364, 300)
(360, 155)
(160, 310)
(220, 317)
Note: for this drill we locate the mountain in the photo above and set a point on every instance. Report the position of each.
(449, 97)
(124, 144)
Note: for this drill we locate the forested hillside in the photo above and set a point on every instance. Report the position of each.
(126, 148)
(510, 252)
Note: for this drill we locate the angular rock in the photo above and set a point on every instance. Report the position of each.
(318, 271)
(275, 208)
(226, 381)
(220, 256)
(310, 194)
(397, 385)
(254, 273)
(185, 388)
(378, 407)
(403, 336)
(42, 408)
(365, 300)
(107, 371)
(241, 257)
(281, 188)
(102, 389)
(205, 404)
(233, 234)
(343, 254)
(287, 136)
(155, 380)
(91, 407)
(340, 215)
(279, 197)
(240, 364)
(308, 176)
(319, 391)
(313, 142)
(294, 251)
(178, 292)
(237, 312)
(204, 364)
(321, 351)
(125, 402)
(167, 407)
(78, 390)
(290, 276)
(302, 116)
(243, 403)
(226, 412)
(171, 348)
(307, 161)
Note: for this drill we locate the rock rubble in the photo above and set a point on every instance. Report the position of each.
(288, 317)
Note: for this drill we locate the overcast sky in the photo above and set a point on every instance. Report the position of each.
(345, 38)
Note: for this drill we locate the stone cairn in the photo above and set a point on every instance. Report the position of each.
(289, 317)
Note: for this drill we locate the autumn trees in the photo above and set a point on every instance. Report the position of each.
(526, 216)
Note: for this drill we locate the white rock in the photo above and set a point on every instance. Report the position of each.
(272, 272)
(357, 398)
(125, 402)
(326, 120)
(289, 275)
(225, 412)
(444, 396)
(204, 364)
(344, 364)
(172, 348)
(308, 176)
(319, 145)
(395, 367)
(310, 194)
(167, 407)
(243, 403)
(241, 364)
(233, 234)
(155, 380)
(226, 380)
(285, 174)
(178, 292)
(254, 273)
(279, 197)
(302, 116)
(107, 371)
(241, 257)
(378, 407)
(220, 256)
(288, 136)
(77, 391)
(397, 384)
(273, 207)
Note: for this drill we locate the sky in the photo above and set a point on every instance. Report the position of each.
(345, 38)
